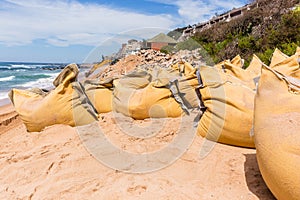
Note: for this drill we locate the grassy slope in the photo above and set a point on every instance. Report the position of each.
(261, 30)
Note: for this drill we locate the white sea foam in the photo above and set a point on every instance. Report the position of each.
(21, 70)
(21, 66)
(9, 78)
(42, 82)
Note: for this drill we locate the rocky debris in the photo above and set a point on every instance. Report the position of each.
(120, 68)
(147, 59)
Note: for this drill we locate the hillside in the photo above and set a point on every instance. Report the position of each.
(270, 25)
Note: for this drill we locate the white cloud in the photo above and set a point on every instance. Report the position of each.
(112, 45)
(67, 22)
(194, 11)
(63, 22)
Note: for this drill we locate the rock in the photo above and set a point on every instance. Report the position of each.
(147, 59)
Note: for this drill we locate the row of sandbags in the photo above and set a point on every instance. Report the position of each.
(235, 105)
(141, 94)
(226, 94)
(233, 101)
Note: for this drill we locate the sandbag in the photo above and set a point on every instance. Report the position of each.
(250, 75)
(276, 128)
(238, 61)
(66, 104)
(246, 76)
(143, 95)
(157, 93)
(187, 84)
(277, 57)
(229, 104)
(285, 64)
(100, 94)
(255, 66)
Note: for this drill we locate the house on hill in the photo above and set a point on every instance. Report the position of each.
(159, 41)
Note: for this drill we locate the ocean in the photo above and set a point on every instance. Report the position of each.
(27, 75)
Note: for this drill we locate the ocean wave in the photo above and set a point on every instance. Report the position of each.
(33, 76)
(31, 67)
(21, 70)
(17, 68)
(41, 82)
(21, 66)
(9, 78)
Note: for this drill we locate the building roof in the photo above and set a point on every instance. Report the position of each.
(162, 38)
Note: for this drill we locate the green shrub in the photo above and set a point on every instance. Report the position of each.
(266, 56)
(288, 48)
(189, 44)
(246, 42)
(253, 33)
(168, 49)
(206, 57)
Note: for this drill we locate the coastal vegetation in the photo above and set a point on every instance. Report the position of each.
(270, 25)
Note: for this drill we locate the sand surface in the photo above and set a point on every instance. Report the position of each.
(54, 164)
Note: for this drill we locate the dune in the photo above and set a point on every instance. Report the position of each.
(54, 164)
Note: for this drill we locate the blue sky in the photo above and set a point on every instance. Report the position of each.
(72, 30)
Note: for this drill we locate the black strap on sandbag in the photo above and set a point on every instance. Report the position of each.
(173, 86)
(202, 107)
(223, 68)
(201, 104)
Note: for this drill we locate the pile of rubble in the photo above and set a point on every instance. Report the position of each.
(146, 59)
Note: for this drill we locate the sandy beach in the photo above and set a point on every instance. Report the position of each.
(150, 99)
(54, 164)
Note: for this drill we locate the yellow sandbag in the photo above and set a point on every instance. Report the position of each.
(289, 64)
(298, 51)
(241, 74)
(255, 66)
(66, 104)
(184, 68)
(187, 84)
(220, 65)
(276, 131)
(100, 94)
(277, 57)
(238, 61)
(157, 93)
(139, 96)
(187, 91)
(229, 106)
(250, 76)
